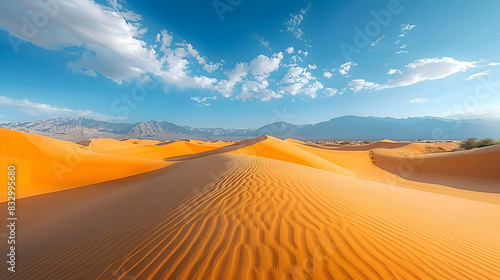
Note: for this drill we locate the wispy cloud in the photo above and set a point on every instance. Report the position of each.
(204, 100)
(485, 113)
(264, 42)
(360, 84)
(418, 71)
(346, 67)
(295, 20)
(473, 76)
(405, 28)
(401, 42)
(374, 43)
(418, 100)
(330, 91)
(45, 110)
(394, 71)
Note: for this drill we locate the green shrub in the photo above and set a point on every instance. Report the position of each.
(485, 142)
(472, 143)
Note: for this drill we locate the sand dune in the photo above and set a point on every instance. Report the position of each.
(48, 165)
(157, 151)
(270, 147)
(261, 208)
(255, 218)
(401, 166)
(387, 144)
(476, 170)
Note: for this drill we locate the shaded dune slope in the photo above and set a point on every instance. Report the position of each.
(270, 147)
(248, 217)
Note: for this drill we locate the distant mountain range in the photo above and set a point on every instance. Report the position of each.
(341, 128)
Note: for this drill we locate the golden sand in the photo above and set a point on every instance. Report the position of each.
(262, 208)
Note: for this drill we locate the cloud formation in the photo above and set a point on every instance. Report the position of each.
(346, 67)
(418, 71)
(295, 20)
(473, 76)
(418, 100)
(40, 110)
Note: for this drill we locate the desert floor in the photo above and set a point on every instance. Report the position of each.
(261, 208)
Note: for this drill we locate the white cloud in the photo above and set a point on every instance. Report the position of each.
(293, 24)
(177, 71)
(165, 38)
(374, 43)
(40, 110)
(418, 100)
(289, 50)
(418, 71)
(260, 68)
(331, 91)
(430, 69)
(405, 28)
(477, 75)
(312, 89)
(254, 89)
(312, 66)
(344, 68)
(394, 71)
(327, 75)
(263, 65)
(360, 84)
(485, 113)
(205, 100)
(305, 53)
(209, 67)
(297, 75)
(494, 64)
(300, 81)
(264, 42)
(109, 43)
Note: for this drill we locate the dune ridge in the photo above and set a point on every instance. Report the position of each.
(261, 208)
(260, 218)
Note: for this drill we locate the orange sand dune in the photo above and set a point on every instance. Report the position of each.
(149, 149)
(386, 144)
(141, 141)
(46, 165)
(392, 170)
(270, 147)
(476, 169)
(248, 217)
(261, 208)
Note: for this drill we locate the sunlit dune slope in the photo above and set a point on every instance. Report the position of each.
(157, 151)
(399, 163)
(270, 147)
(235, 216)
(46, 165)
(141, 141)
(388, 144)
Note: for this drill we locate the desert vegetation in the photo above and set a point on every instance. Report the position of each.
(473, 143)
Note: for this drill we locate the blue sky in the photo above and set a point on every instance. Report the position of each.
(243, 64)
